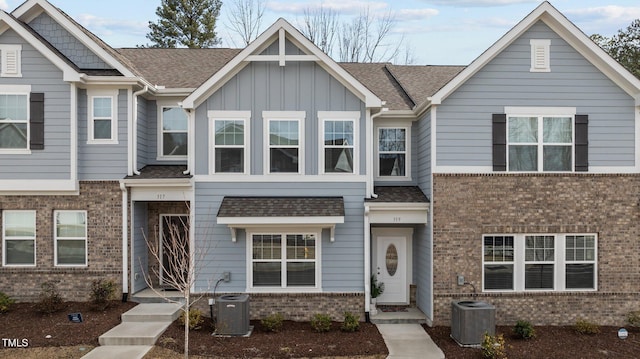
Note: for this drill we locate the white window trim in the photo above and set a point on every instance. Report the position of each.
(8, 238)
(160, 152)
(540, 55)
(113, 95)
(353, 116)
(55, 240)
(407, 162)
(559, 263)
(19, 90)
(540, 112)
(284, 230)
(269, 116)
(5, 49)
(245, 117)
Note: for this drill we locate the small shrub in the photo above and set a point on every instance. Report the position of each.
(273, 322)
(102, 292)
(351, 323)
(5, 302)
(195, 318)
(493, 347)
(523, 329)
(633, 319)
(50, 300)
(321, 323)
(586, 327)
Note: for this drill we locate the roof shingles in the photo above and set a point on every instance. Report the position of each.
(281, 207)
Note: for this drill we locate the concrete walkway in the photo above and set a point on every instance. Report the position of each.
(409, 341)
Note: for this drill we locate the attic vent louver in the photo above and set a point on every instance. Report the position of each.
(540, 55)
(10, 60)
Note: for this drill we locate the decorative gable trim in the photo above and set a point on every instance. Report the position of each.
(568, 32)
(11, 60)
(280, 31)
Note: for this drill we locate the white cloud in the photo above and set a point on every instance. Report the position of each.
(477, 3)
(4, 5)
(106, 26)
(612, 14)
(351, 7)
(415, 14)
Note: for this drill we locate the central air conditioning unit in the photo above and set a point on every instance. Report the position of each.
(470, 319)
(232, 312)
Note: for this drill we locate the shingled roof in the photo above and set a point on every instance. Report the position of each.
(421, 82)
(378, 80)
(399, 194)
(281, 207)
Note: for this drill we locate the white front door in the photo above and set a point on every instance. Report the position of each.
(391, 267)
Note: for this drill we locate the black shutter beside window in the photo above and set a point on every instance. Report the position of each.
(36, 122)
(499, 142)
(582, 143)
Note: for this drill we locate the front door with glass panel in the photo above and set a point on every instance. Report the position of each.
(391, 268)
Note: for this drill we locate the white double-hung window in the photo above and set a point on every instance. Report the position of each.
(284, 139)
(14, 118)
(102, 126)
(19, 238)
(540, 142)
(393, 152)
(70, 230)
(173, 138)
(230, 141)
(539, 262)
(339, 131)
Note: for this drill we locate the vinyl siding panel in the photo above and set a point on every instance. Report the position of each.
(298, 86)
(423, 151)
(464, 118)
(423, 269)
(43, 76)
(140, 252)
(144, 112)
(342, 261)
(102, 161)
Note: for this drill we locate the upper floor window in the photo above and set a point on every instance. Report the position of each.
(524, 262)
(339, 133)
(103, 118)
(230, 138)
(393, 152)
(540, 143)
(14, 121)
(19, 238)
(285, 152)
(70, 238)
(174, 133)
(11, 60)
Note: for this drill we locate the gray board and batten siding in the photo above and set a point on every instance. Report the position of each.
(140, 250)
(342, 261)
(464, 118)
(266, 86)
(102, 161)
(66, 43)
(44, 77)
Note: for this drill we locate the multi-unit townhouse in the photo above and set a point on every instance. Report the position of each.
(516, 176)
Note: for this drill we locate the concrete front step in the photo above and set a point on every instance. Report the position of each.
(134, 333)
(153, 312)
(409, 316)
(119, 352)
(149, 295)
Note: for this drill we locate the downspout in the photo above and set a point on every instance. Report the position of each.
(134, 151)
(191, 119)
(370, 149)
(125, 244)
(367, 263)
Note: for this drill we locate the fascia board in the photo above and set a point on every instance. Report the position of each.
(62, 20)
(240, 221)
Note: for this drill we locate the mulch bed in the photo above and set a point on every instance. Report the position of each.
(24, 321)
(294, 340)
(549, 342)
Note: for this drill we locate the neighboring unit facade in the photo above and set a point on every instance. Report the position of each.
(298, 178)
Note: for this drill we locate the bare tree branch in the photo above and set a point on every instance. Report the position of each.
(319, 25)
(245, 18)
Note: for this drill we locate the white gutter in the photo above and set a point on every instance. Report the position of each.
(134, 132)
(367, 260)
(73, 155)
(370, 151)
(191, 146)
(125, 244)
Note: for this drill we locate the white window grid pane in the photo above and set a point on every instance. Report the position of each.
(174, 119)
(13, 108)
(539, 249)
(264, 246)
(498, 249)
(229, 133)
(392, 140)
(102, 107)
(301, 247)
(284, 133)
(580, 249)
(339, 134)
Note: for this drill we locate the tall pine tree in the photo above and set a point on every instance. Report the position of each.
(185, 23)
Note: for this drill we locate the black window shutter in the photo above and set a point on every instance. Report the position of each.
(582, 143)
(499, 142)
(36, 122)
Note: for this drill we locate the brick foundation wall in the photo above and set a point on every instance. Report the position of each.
(103, 202)
(300, 306)
(467, 206)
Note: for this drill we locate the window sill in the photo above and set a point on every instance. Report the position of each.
(171, 158)
(18, 265)
(102, 142)
(393, 179)
(15, 152)
(284, 290)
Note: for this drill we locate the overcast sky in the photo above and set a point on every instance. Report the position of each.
(440, 32)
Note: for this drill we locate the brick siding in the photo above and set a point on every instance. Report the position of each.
(103, 202)
(467, 206)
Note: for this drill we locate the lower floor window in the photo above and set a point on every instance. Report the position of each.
(523, 262)
(284, 260)
(19, 238)
(70, 238)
